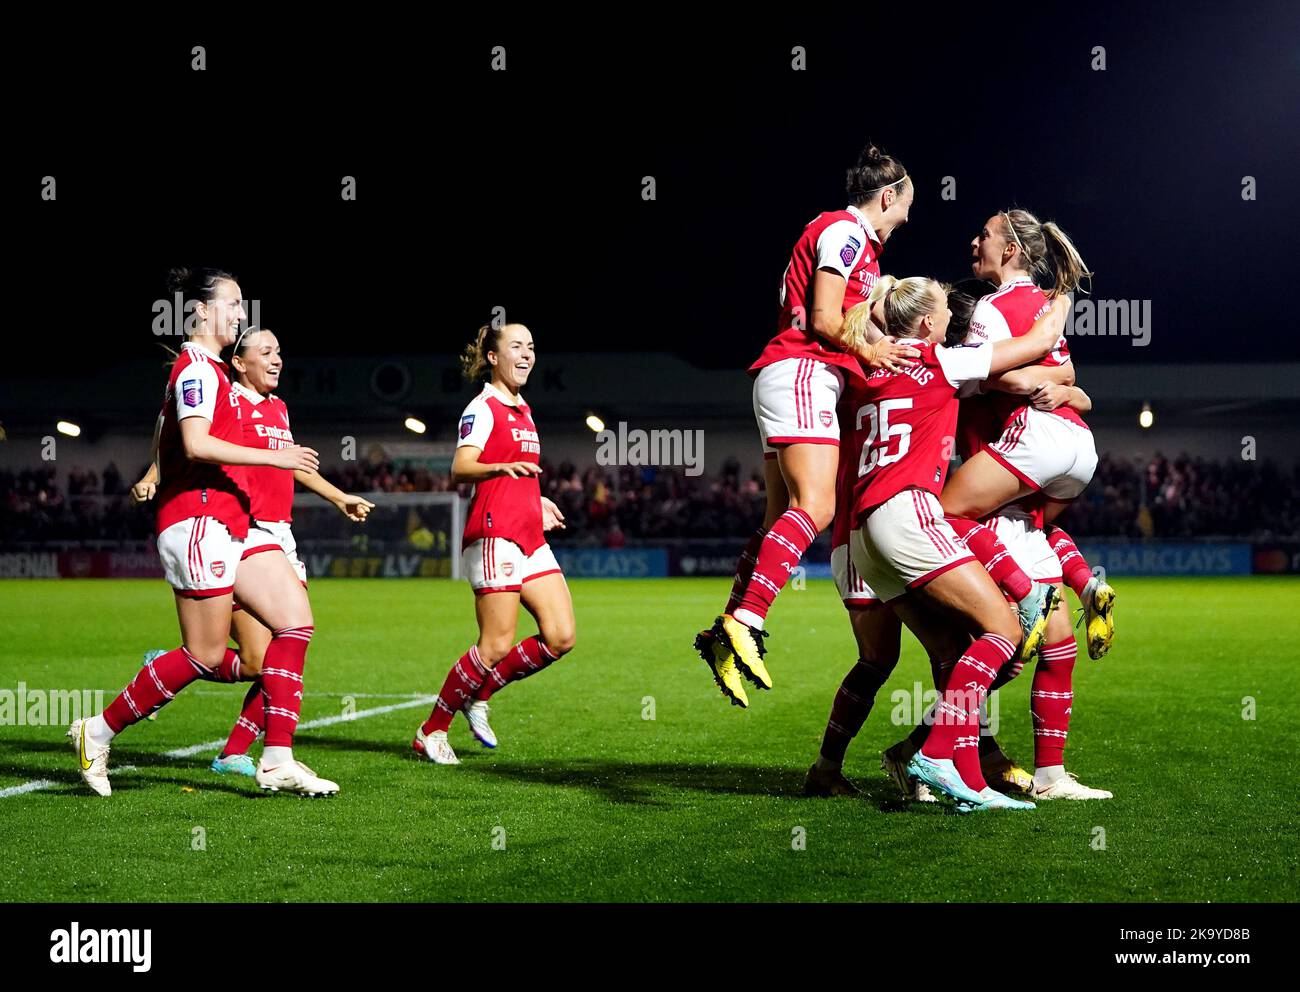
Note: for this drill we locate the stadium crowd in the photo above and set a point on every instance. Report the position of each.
(1170, 498)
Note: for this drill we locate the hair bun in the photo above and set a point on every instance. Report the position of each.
(177, 279)
(871, 155)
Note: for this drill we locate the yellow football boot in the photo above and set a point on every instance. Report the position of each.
(717, 656)
(746, 644)
(1098, 616)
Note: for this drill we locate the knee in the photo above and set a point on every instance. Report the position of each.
(492, 649)
(820, 510)
(210, 656)
(250, 662)
(1006, 625)
(560, 641)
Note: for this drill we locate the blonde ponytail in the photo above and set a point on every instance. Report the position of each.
(1068, 268)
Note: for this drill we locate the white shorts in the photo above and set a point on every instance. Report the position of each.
(849, 583)
(1028, 546)
(904, 543)
(494, 564)
(794, 403)
(199, 557)
(1052, 454)
(266, 534)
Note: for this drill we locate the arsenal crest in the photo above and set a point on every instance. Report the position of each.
(508, 568)
(218, 568)
(826, 418)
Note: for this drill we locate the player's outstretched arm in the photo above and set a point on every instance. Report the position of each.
(201, 446)
(353, 507)
(466, 467)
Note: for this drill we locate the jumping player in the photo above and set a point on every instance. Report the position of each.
(504, 550)
(1014, 448)
(203, 513)
(798, 381)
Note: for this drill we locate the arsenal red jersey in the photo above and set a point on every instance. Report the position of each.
(199, 386)
(503, 507)
(840, 240)
(264, 421)
(903, 426)
(1010, 313)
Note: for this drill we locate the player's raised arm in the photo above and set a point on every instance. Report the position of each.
(353, 507)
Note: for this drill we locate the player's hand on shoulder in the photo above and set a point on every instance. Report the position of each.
(891, 354)
(517, 470)
(296, 457)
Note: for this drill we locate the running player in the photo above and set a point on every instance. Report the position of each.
(203, 512)
(905, 550)
(264, 420)
(798, 381)
(504, 550)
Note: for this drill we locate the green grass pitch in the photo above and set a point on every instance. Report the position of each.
(586, 799)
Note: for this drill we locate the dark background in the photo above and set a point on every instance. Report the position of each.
(523, 188)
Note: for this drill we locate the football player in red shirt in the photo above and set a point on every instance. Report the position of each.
(264, 419)
(877, 628)
(1018, 448)
(798, 381)
(904, 548)
(504, 550)
(203, 512)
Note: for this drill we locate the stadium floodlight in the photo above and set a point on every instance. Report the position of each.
(1146, 418)
(412, 424)
(595, 423)
(68, 427)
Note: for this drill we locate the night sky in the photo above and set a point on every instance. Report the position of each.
(522, 188)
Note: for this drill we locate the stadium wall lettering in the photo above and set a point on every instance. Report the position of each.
(1170, 559)
(606, 563)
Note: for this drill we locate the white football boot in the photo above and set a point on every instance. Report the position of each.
(476, 712)
(435, 747)
(295, 777)
(92, 763)
(1068, 786)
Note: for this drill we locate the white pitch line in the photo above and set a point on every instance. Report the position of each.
(188, 752)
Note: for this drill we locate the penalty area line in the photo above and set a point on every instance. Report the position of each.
(37, 785)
